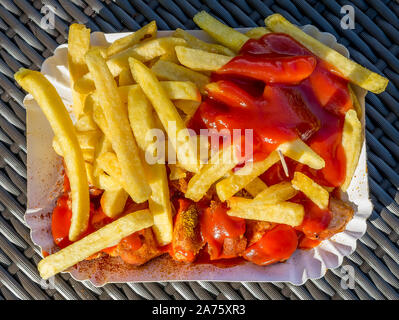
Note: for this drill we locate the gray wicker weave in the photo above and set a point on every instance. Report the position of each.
(374, 43)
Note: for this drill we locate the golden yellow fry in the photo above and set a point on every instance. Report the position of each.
(104, 145)
(88, 140)
(108, 162)
(282, 212)
(228, 187)
(99, 119)
(85, 122)
(282, 191)
(119, 131)
(57, 115)
(89, 172)
(174, 89)
(141, 121)
(220, 163)
(195, 43)
(166, 70)
(176, 172)
(105, 237)
(170, 118)
(85, 84)
(113, 202)
(311, 189)
(78, 45)
(106, 182)
(256, 33)
(255, 187)
(125, 78)
(147, 32)
(355, 101)
(301, 152)
(187, 106)
(352, 144)
(88, 155)
(200, 60)
(219, 31)
(349, 69)
(143, 52)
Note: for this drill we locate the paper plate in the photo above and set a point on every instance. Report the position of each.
(45, 184)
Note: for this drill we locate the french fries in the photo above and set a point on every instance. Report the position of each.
(176, 172)
(103, 238)
(125, 78)
(200, 60)
(144, 52)
(352, 144)
(356, 73)
(195, 43)
(187, 106)
(113, 201)
(147, 32)
(220, 163)
(311, 189)
(226, 188)
(170, 118)
(166, 70)
(176, 90)
(301, 152)
(119, 130)
(257, 33)
(282, 212)
(220, 32)
(255, 187)
(57, 115)
(106, 182)
(282, 191)
(141, 121)
(78, 45)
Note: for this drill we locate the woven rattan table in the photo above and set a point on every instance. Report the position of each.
(374, 42)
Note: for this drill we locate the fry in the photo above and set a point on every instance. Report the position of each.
(311, 189)
(113, 202)
(220, 163)
(187, 106)
(125, 78)
(195, 43)
(108, 162)
(104, 145)
(103, 238)
(170, 118)
(166, 70)
(141, 121)
(57, 115)
(147, 32)
(255, 187)
(174, 89)
(279, 192)
(176, 172)
(89, 172)
(301, 152)
(85, 84)
(144, 52)
(106, 182)
(85, 122)
(78, 45)
(226, 188)
(119, 131)
(88, 140)
(200, 60)
(219, 31)
(349, 69)
(352, 144)
(283, 212)
(256, 33)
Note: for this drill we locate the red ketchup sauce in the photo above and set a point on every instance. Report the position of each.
(282, 91)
